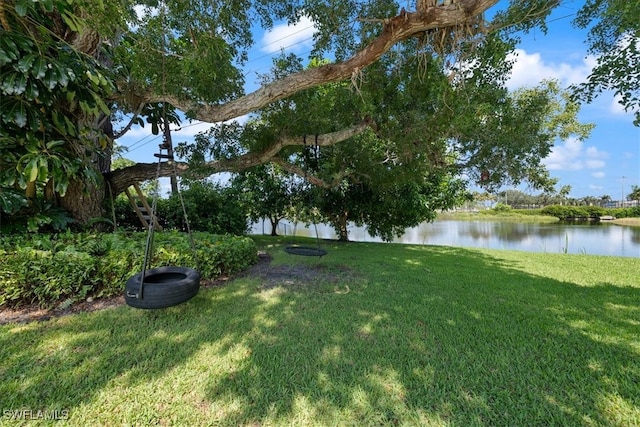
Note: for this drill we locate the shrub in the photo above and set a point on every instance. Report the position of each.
(565, 212)
(633, 212)
(501, 207)
(209, 207)
(49, 269)
(29, 275)
(126, 218)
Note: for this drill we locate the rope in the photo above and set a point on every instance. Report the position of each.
(192, 243)
(148, 250)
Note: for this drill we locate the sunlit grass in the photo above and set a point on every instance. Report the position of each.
(413, 335)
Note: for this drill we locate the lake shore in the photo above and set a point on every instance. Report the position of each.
(518, 217)
(633, 222)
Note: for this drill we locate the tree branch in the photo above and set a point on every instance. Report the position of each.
(120, 179)
(399, 28)
(296, 170)
(125, 129)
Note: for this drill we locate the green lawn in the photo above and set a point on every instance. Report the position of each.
(411, 335)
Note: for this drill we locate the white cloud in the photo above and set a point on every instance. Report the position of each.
(594, 164)
(285, 36)
(598, 175)
(572, 155)
(530, 68)
(595, 187)
(615, 107)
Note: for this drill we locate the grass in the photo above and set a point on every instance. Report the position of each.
(634, 222)
(489, 215)
(413, 335)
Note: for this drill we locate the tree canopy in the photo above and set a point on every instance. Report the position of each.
(427, 75)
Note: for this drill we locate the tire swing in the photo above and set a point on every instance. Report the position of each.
(307, 250)
(166, 286)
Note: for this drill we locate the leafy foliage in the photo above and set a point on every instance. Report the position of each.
(574, 212)
(614, 38)
(210, 207)
(266, 191)
(49, 95)
(48, 270)
(40, 215)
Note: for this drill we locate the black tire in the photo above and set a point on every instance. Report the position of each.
(163, 287)
(305, 251)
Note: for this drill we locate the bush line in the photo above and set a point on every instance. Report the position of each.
(62, 269)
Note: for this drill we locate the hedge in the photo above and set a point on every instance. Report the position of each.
(62, 269)
(564, 212)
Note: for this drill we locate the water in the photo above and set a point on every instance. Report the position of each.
(591, 239)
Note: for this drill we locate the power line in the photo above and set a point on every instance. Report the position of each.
(280, 39)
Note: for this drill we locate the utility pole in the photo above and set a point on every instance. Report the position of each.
(622, 192)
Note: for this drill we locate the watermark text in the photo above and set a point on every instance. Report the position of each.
(30, 414)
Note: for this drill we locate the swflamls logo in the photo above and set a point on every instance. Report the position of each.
(29, 414)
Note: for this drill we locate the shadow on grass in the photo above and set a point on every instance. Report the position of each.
(424, 336)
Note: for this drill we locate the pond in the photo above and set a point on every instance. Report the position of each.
(581, 238)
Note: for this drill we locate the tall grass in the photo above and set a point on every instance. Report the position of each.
(412, 335)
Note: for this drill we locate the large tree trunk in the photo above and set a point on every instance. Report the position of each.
(340, 224)
(84, 201)
(274, 225)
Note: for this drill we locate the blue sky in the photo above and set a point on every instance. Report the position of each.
(607, 163)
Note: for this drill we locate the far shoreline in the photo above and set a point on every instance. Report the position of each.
(633, 222)
(518, 217)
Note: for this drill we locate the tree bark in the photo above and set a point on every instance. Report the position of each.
(340, 225)
(274, 225)
(84, 201)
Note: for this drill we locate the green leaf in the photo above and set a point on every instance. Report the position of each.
(53, 144)
(71, 128)
(11, 201)
(4, 58)
(20, 84)
(22, 7)
(95, 79)
(18, 115)
(50, 79)
(31, 91)
(48, 5)
(101, 104)
(8, 83)
(72, 21)
(31, 170)
(43, 169)
(39, 68)
(25, 63)
(63, 78)
(9, 49)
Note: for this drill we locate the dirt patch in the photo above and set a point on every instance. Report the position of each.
(33, 313)
(296, 276)
(290, 276)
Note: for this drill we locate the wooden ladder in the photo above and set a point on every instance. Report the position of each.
(141, 207)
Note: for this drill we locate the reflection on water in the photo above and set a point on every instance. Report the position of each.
(592, 239)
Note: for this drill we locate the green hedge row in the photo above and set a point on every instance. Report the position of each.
(593, 212)
(62, 269)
